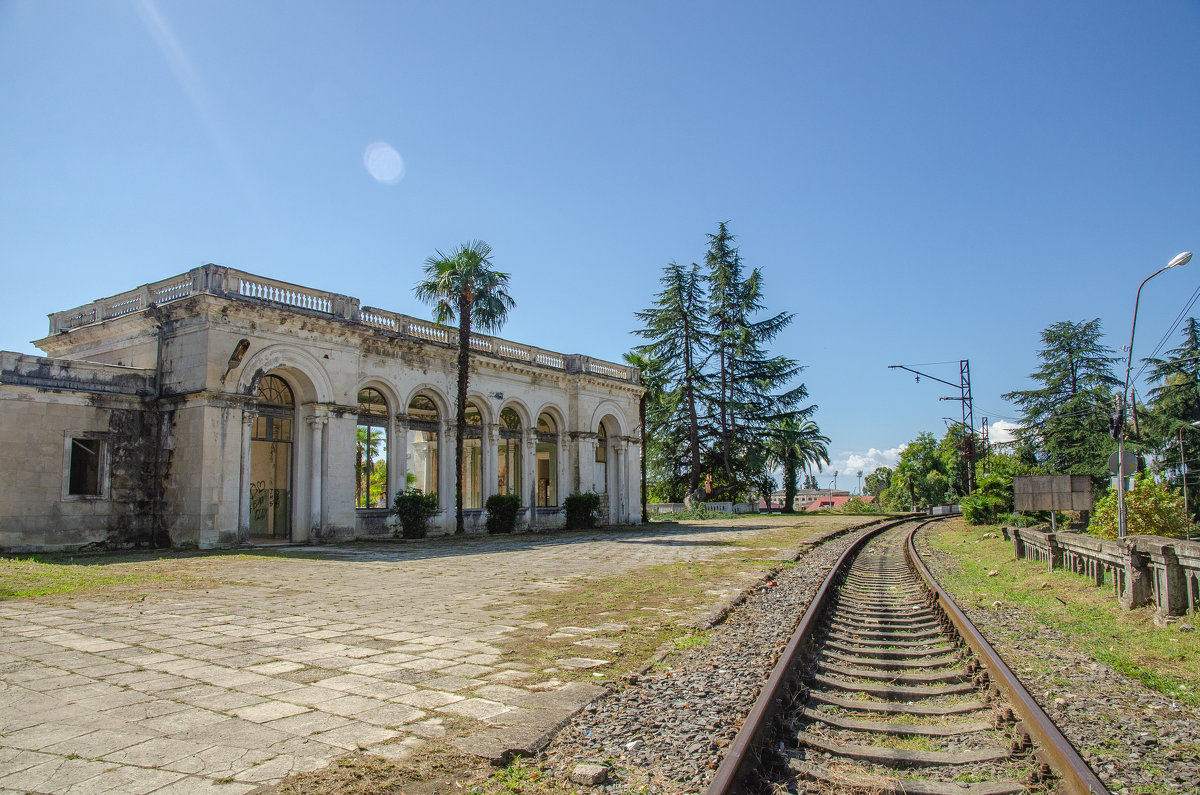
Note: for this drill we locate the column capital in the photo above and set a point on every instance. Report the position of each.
(248, 417)
(316, 421)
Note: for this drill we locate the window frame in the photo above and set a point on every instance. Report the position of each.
(103, 465)
(372, 420)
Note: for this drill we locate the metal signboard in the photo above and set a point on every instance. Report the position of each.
(1129, 464)
(1052, 493)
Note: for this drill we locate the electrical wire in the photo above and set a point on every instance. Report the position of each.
(1187, 307)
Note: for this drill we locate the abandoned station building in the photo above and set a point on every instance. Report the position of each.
(218, 407)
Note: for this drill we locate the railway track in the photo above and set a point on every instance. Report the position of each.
(887, 688)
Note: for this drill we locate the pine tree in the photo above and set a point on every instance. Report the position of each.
(676, 327)
(741, 392)
(1174, 406)
(1066, 420)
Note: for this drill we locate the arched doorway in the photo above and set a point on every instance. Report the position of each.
(601, 478)
(422, 455)
(509, 454)
(547, 461)
(271, 437)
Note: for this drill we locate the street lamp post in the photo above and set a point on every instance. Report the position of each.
(1122, 523)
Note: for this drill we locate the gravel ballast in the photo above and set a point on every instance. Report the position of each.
(1136, 739)
(666, 731)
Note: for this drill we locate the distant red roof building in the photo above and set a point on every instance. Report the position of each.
(835, 502)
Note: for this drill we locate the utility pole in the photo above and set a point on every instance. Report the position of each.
(987, 448)
(968, 408)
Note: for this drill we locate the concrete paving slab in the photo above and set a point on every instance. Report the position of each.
(268, 711)
(288, 662)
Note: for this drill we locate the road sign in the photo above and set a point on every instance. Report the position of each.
(1129, 464)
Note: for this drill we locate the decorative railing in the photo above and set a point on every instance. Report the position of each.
(280, 293)
(239, 285)
(1143, 570)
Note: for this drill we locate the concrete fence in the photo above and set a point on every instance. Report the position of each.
(1141, 570)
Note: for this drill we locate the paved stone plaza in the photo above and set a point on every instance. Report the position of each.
(292, 660)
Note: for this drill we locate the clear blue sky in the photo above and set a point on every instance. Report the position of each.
(920, 182)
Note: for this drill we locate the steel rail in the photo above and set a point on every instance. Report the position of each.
(1075, 777)
(739, 760)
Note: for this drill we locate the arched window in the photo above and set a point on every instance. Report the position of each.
(371, 449)
(472, 463)
(509, 480)
(271, 459)
(422, 457)
(601, 460)
(547, 461)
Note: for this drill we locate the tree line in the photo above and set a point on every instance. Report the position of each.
(723, 412)
(1066, 425)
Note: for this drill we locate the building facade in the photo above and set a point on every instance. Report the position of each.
(219, 407)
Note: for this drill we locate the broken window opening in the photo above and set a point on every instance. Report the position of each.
(86, 465)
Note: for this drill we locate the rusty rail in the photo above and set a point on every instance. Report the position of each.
(739, 761)
(1055, 749)
(1075, 777)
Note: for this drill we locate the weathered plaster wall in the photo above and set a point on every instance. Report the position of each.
(212, 351)
(36, 513)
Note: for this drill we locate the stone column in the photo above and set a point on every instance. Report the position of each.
(491, 460)
(244, 485)
(562, 482)
(398, 458)
(317, 423)
(587, 464)
(446, 473)
(616, 492)
(633, 472)
(529, 473)
(1138, 573)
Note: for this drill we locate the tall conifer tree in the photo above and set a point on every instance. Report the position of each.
(742, 391)
(1066, 419)
(679, 341)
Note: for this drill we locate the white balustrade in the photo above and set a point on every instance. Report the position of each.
(235, 284)
(283, 294)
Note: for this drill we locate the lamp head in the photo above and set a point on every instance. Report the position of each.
(1180, 259)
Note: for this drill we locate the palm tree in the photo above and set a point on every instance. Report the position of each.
(796, 445)
(463, 286)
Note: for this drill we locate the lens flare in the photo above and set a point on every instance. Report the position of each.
(383, 163)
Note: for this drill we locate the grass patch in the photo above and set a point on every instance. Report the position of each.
(432, 769)
(654, 601)
(1163, 659)
(692, 640)
(25, 577)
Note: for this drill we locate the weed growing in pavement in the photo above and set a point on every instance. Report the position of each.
(514, 776)
(692, 640)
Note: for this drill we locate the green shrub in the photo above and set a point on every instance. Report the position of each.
(1151, 509)
(992, 499)
(581, 510)
(857, 505)
(698, 511)
(413, 508)
(502, 512)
